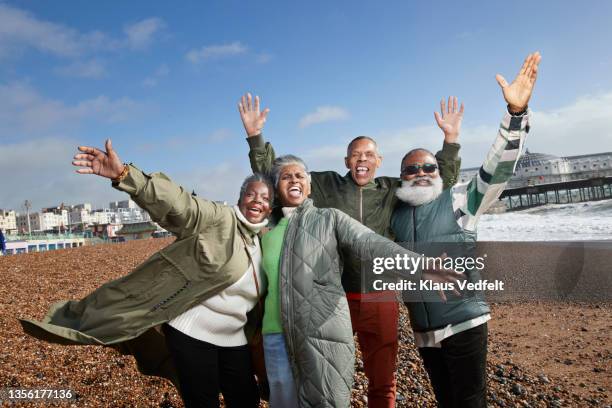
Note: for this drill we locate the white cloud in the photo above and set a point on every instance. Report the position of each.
(263, 58)
(220, 135)
(25, 112)
(41, 171)
(141, 34)
(21, 30)
(153, 79)
(18, 27)
(581, 127)
(92, 69)
(212, 52)
(220, 182)
(324, 114)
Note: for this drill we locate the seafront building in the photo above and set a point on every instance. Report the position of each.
(540, 177)
(20, 244)
(540, 168)
(8, 221)
(76, 225)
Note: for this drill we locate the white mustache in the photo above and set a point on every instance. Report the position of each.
(419, 178)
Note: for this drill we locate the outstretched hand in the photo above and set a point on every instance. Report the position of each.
(449, 119)
(444, 276)
(252, 119)
(518, 93)
(95, 161)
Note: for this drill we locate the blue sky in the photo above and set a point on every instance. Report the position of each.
(163, 79)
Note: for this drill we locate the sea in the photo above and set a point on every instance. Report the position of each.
(588, 221)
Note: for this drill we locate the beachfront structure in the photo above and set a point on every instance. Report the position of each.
(138, 230)
(42, 242)
(48, 219)
(8, 221)
(541, 178)
(115, 205)
(540, 168)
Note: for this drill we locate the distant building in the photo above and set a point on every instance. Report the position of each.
(8, 221)
(35, 223)
(42, 244)
(115, 205)
(138, 230)
(105, 231)
(540, 168)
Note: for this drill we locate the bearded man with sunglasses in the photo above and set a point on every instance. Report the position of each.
(452, 335)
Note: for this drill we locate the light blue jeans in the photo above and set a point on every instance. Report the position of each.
(283, 391)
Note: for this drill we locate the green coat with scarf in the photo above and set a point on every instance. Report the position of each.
(208, 256)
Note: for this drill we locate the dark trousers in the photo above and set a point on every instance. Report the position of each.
(457, 370)
(205, 369)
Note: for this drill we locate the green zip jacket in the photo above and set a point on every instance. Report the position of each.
(207, 257)
(372, 204)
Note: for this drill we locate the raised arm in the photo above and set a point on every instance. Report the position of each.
(449, 120)
(169, 204)
(475, 197)
(261, 154)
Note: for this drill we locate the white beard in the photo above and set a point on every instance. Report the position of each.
(418, 195)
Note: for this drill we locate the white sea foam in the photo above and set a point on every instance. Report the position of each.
(560, 222)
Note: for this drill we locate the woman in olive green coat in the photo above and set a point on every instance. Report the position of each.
(203, 288)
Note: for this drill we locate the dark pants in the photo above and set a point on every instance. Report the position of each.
(457, 370)
(204, 370)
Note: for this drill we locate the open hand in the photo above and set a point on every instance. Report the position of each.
(449, 119)
(517, 93)
(252, 119)
(95, 161)
(443, 275)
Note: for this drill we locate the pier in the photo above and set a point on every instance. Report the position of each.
(558, 193)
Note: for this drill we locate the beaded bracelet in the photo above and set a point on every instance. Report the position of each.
(124, 173)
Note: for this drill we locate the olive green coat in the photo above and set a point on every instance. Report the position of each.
(208, 256)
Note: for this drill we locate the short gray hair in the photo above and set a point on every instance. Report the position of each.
(254, 178)
(284, 161)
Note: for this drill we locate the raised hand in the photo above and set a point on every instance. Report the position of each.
(449, 119)
(252, 119)
(95, 161)
(517, 93)
(443, 275)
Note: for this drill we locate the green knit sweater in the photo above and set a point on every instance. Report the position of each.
(272, 245)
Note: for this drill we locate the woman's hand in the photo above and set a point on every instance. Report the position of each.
(95, 161)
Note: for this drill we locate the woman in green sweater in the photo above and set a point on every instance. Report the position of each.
(308, 338)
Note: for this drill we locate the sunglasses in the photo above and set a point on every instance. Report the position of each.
(414, 169)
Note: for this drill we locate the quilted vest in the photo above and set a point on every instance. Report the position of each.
(432, 229)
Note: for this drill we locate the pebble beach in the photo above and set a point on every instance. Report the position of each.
(541, 354)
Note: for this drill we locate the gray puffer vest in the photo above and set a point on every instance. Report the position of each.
(432, 229)
(314, 310)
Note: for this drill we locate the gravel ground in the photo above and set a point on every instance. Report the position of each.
(540, 354)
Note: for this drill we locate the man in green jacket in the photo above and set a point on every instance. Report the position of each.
(371, 201)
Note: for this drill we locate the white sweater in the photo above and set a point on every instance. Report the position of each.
(220, 319)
